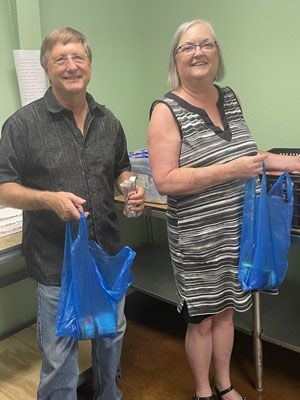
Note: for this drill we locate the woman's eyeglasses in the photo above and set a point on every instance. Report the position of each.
(190, 48)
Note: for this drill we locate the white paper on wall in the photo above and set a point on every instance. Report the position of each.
(30, 74)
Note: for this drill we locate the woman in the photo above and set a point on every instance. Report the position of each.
(201, 153)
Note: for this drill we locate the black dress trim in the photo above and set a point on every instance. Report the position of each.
(225, 134)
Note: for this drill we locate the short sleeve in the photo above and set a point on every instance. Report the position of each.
(12, 151)
(122, 162)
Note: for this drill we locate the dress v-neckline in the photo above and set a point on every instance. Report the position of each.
(225, 134)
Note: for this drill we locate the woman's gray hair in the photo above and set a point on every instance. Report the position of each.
(64, 36)
(173, 78)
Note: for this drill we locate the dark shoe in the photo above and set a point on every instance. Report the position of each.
(212, 397)
(220, 394)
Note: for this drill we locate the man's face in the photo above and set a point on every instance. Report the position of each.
(68, 69)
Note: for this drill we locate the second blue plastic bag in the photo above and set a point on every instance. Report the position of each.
(92, 284)
(266, 233)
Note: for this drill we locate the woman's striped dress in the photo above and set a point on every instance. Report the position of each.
(204, 228)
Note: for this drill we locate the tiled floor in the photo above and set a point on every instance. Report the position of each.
(154, 365)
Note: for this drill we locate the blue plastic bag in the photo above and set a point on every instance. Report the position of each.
(266, 233)
(92, 284)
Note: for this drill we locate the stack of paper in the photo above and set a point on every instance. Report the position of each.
(10, 221)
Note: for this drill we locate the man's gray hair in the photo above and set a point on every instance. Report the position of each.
(173, 78)
(64, 36)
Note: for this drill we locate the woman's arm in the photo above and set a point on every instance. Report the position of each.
(164, 144)
(278, 162)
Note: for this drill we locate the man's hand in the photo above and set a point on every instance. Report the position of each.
(137, 200)
(66, 205)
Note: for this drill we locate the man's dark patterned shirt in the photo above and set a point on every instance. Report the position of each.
(42, 148)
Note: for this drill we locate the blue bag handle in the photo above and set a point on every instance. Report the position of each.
(82, 231)
(278, 188)
(263, 184)
(71, 237)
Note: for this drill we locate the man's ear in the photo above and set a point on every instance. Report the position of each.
(46, 71)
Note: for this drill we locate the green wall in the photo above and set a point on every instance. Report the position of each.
(260, 42)
(131, 40)
(115, 31)
(9, 99)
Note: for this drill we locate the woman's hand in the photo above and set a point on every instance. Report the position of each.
(246, 167)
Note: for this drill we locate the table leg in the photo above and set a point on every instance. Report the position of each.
(257, 342)
(149, 227)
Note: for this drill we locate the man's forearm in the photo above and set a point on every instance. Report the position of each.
(65, 204)
(17, 196)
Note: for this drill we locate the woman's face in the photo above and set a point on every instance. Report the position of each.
(199, 62)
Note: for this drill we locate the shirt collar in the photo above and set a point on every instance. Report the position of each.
(54, 107)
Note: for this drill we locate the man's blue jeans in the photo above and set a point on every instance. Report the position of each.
(59, 373)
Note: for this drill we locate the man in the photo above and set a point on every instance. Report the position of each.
(60, 155)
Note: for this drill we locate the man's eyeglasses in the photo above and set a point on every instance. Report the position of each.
(190, 48)
(76, 58)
